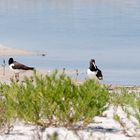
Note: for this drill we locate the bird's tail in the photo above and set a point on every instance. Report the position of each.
(31, 68)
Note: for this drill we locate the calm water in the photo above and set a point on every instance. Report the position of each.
(74, 31)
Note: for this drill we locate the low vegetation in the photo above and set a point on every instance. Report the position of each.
(129, 102)
(52, 100)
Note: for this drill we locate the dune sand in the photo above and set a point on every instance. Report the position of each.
(103, 127)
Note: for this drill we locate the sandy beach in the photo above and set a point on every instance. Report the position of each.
(64, 35)
(102, 128)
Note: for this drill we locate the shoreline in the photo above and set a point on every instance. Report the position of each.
(80, 74)
(9, 74)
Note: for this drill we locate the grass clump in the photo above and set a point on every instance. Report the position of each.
(128, 101)
(53, 100)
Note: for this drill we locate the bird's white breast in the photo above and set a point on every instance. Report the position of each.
(10, 66)
(91, 74)
(15, 70)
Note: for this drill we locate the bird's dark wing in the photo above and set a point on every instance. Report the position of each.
(18, 65)
(99, 74)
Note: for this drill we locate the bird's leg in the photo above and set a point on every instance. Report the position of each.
(17, 77)
(12, 79)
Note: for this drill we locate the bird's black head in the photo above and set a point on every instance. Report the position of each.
(11, 60)
(99, 75)
(92, 61)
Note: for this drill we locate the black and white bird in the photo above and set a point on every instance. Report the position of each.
(93, 71)
(17, 67)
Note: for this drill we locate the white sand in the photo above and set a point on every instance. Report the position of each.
(103, 128)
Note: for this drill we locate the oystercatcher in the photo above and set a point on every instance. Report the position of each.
(93, 71)
(18, 67)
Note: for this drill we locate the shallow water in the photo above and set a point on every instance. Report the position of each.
(72, 32)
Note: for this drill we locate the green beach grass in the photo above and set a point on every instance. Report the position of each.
(128, 101)
(56, 100)
(52, 100)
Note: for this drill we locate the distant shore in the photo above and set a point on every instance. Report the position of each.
(6, 51)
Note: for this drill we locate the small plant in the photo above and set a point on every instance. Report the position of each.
(5, 116)
(118, 119)
(129, 103)
(54, 100)
(54, 136)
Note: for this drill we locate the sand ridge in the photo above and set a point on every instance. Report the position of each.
(6, 51)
